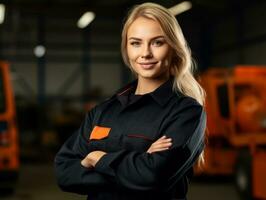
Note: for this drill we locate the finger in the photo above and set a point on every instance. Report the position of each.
(163, 137)
(163, 140)
(158, 150)
(162, 143)
(161, 147)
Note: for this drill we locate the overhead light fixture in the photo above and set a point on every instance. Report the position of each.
(180, 8)
(39, 51)
(85, 19)
(2, 13)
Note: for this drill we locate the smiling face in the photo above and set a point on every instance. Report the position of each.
(148, 52)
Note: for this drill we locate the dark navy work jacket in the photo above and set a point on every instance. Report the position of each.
(125, 126)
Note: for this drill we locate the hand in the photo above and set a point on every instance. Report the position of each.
(92, 158)
(161, 144)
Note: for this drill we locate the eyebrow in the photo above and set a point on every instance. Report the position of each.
(156, 37)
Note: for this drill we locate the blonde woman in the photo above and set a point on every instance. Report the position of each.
(143, 141)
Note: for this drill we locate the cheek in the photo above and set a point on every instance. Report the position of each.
(163, 55)
(132, 53)
(131, 58)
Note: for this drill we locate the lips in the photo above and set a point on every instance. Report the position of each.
(147, 65)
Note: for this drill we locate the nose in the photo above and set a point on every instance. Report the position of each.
(146, 51)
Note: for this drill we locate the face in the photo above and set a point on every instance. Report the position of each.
(147, 49)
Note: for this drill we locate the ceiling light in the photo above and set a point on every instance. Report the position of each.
(86, 19)
(2, 13)
(180, 8)
(39, 51)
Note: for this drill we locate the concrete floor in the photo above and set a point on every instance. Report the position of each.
(37, 182)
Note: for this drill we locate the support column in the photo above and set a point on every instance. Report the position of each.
(85, 63)
(41, 62)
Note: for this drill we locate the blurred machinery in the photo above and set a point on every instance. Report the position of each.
(236, 135)
(9, 151)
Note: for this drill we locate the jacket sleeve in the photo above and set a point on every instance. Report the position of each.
(71, 175)
(161, 170)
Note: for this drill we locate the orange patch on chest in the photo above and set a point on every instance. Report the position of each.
(99, 132)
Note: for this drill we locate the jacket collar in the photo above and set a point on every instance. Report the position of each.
(164, 92)
(161, 95)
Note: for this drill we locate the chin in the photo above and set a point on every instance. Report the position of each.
(151, 74)
(147, 75)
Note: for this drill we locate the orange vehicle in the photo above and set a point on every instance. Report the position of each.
(9, 162)
(236, 110)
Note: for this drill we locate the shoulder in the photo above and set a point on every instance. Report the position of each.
(182, 102)
(186, 108)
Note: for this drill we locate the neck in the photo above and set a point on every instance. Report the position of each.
(149, 85)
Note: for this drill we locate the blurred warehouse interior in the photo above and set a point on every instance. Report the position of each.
(59, 70)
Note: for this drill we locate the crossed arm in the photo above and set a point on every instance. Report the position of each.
(167, 159)
(93, 157)
(76, 174)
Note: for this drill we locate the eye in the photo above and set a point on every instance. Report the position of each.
(135, 43)
(158, 43)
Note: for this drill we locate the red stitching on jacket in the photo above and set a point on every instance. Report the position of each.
(139, 136)
(124, 91)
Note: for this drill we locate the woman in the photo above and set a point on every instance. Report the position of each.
(143, 141)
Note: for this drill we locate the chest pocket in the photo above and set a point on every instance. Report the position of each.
(101, 138)
(137, 142)
(98, 138)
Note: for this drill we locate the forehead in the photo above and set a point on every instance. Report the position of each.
(143, 27)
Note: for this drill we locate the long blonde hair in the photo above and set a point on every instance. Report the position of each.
(182, 65)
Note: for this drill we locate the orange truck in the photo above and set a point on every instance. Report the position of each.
(236, 138)
(9, 152)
